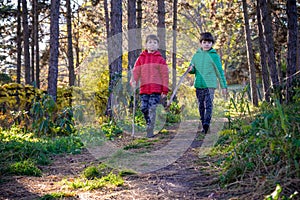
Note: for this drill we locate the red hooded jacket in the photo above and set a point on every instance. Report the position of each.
(151, 70)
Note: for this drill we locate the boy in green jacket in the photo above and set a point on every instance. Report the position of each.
(207, 67)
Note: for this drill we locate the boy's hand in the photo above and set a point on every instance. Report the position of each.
(163, 95)
(190, 68)
(133, 84)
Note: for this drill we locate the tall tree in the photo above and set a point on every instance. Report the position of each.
(174, 61)
(291, 10)
(250, 56)
(161, 26)
(263, 55)
(26, 41)
(132, 35)
(54, 45)
(19, 42)
(70, 44)
(33, 40)
(268, 35)
(139, 11)
(36, 41)
(115, 46)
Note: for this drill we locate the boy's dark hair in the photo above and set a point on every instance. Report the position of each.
(152, 37)
(207, 36)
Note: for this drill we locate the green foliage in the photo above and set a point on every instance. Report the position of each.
(17, 146)
(267, 147)
(173, 116)
(44, 111)
(276, 195)
(139, 143)
(111, 130)
(93, 172)
(126, 172)
(47, 120)
(15, 97)
(25, 167)
(57, 195)
(110, 180)
(4, 79)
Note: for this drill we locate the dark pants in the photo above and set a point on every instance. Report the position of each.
(205, 104)
(148, 107)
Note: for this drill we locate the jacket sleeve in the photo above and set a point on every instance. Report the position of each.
(193, 71)
(165, 76)
(219, 70)
(136, 72)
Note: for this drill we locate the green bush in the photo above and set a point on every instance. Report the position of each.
(26, 167)
(267, 147)
(17, 146)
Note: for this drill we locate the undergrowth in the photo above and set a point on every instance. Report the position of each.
(22, 152)
(262, 148)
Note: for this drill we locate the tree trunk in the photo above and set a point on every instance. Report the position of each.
(139, 26)
(33, 40)
(70, 44)
(263, 55)
(54, 45)
(250, 56)
(292, 46)
(19, 42)
(132, 36)
(26, 42)
(161, 27)
(174, 61)
(37, 49)
(114, 51)
(267, 30)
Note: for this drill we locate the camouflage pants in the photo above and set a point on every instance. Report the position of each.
(148, 107)
(205, 104)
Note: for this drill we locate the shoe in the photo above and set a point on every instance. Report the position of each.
(149, 132)
(205, 128)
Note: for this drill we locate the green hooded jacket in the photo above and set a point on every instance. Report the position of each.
(207, 67)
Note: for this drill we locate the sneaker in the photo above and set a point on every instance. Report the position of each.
(205, 128)
(149, 132)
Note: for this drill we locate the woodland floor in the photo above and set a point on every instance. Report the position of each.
(188, 177)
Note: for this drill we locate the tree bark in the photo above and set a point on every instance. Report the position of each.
(132, 36)
(54, 49)
(33, 41)
(263, 55)
(250, 56)
(19, 42)
(115, 51)
(174, 60)
(292, 46)
(161, 27)
(36, 40)
(26, 42)
(70, 44)
(267, 30)
(139, 26)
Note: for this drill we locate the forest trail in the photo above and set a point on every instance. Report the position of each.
(187, 176)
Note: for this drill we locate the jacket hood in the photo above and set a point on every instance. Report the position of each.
(212, 50)
(155, 53)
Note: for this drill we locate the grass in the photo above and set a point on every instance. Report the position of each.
(25, 167)
(57, 195)
(109, 180)
(22, 152)
(140, 143)
(261, 142)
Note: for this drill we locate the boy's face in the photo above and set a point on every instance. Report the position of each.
(152, 45)
(206, 45)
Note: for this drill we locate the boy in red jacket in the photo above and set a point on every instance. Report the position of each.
(151, 71)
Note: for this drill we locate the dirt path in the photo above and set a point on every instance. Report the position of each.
(187, 176)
